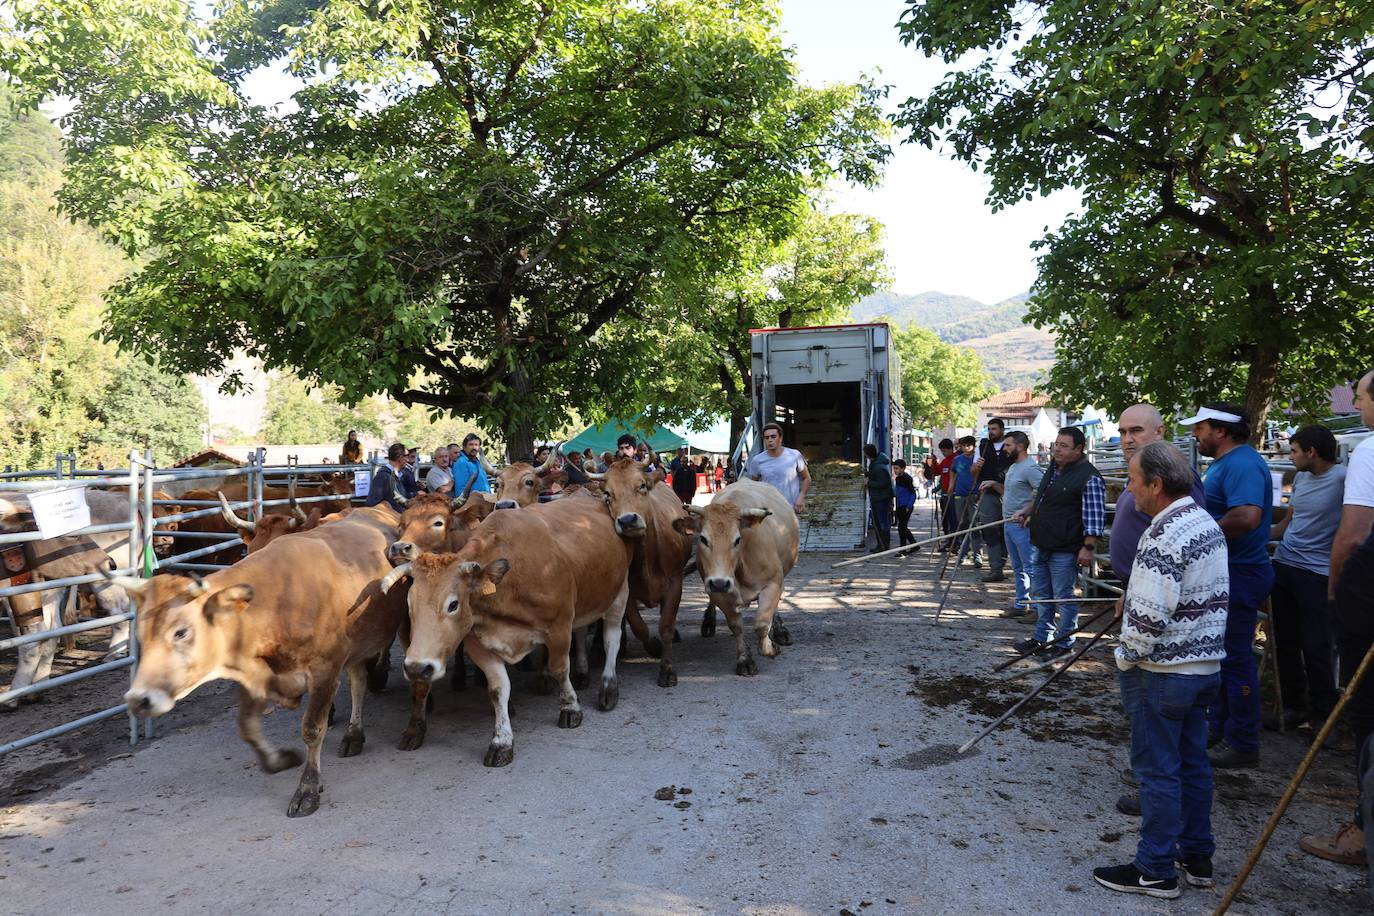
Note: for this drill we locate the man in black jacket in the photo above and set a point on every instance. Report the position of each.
(989, 468)
(386, 483)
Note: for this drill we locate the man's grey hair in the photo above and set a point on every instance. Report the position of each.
(1161, 461)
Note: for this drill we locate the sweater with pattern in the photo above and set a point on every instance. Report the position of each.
(1174, 618)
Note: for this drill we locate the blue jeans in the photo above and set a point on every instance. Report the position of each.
(1053, 574)
(1019, 550)
(1168, 715)
(1235, 715)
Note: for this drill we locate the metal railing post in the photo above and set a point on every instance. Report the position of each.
(146, 552)
(133, 545)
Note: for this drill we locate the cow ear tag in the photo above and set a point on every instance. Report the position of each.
(488, 587)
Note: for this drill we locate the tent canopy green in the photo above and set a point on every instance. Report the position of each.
(602, 438)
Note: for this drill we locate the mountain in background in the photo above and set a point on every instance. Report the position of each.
(1015, 354)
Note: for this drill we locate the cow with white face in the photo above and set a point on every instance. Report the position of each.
(746, 543)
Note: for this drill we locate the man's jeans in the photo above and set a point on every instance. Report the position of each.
(1304, 643)
(1168, 715)
(1235, 715)
(1019, 550)
(1053, 574)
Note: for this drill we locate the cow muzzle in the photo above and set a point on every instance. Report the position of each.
(402, 552)
(507, 504)
(720, 585)
(146, 703)
(630, 525)
(423, 669)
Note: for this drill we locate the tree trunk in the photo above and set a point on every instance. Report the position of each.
(519, 436)
(1259, 388)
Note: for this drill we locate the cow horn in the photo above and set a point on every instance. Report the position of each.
(197, 586)
(754, 513)
(593, 476)
(297, 513)
(233, 519)
(400, 499)
(695, 510)
(396, 575)
(470, 568)
(482, 460)
(549, 462)
(130, 584)
(467, 491)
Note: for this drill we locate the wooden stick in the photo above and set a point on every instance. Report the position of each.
(1036, 692)
(1011, 661)
(896, 550)
(1294, 783)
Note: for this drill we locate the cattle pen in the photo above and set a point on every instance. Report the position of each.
(827, 783)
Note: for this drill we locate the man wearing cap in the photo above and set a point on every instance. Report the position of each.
(386, 483)
(466, 464)
(1240, 497)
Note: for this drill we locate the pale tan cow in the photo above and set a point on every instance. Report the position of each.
(524, 578)
(746, 545)
(282, 623)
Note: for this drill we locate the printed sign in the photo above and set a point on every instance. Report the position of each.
(60, 512)
(1277, 478)
(362, 483)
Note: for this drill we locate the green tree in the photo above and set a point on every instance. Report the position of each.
(1222, 154)
(145, 407)
(480, 191)
(941, 382)
(296, 415)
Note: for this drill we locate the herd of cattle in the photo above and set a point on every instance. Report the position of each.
(322, 593)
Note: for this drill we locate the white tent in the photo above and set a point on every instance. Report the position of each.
(1042, 430)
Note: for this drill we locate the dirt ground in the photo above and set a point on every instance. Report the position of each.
(828, 783)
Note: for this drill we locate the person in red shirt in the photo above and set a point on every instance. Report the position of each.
(946, 488)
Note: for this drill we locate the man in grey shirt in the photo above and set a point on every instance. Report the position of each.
(782, 467)
(440, 478)
(1302, 563)
(1017, 489)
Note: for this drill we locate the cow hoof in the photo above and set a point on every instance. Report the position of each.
(281, 760)
(544, 684)
(411, 739)
(667, 677)
(654, 647)
(570, 718)
(352, 743)
(747, 668)
(609, 696)
(579, 679)
(782, 636)
(304, 803)
(499, 755)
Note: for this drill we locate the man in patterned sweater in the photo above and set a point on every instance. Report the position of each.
(1172, 642)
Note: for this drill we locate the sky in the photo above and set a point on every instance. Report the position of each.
(940, 234)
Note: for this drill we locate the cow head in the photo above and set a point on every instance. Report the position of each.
(15, 514)
(445, 589)
(163, 540)
(183, 634)
(720, 529)
(257, 535)
(626, 486)
(519, 484)
(437, 524)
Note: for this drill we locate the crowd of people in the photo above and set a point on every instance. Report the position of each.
(1193, 554)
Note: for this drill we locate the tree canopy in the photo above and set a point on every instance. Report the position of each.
(941, 382)
(468, 204)
(1222, 151)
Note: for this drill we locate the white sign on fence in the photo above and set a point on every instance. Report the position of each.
(60, 512)
(362, 483)
(1277, 478)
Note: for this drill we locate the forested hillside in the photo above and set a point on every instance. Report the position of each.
(1014, 353)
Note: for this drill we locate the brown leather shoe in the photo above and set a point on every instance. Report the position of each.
(1346, 847)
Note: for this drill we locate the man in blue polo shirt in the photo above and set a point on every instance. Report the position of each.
(1240, 497)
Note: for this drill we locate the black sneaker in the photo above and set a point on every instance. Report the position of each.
(1027, 646)
(1129, 805)
(1225, 757)
(1052, 653)
(1196, 870)
(1129, 778)
(1128, 880)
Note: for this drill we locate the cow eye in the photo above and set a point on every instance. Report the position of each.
(452, 607)
(182, 634)
(737, 540)
(438, 523)
(643, 488)
(704, 541)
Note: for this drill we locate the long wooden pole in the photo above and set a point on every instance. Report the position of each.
(896, 550)
(1090, 621)
(1078, 653)
(1294, 783)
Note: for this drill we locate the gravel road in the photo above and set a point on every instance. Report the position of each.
(826, 784)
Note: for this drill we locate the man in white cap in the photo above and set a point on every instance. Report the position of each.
(1240, 497)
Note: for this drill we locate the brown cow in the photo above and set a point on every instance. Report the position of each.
(746, 545)
(283, 623)
(237, 491)
(520, 484)
(523, 579)
(643, 512)
(268, 527)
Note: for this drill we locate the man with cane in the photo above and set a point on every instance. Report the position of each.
(1173, 639)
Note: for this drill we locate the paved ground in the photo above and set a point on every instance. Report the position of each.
(827, 783)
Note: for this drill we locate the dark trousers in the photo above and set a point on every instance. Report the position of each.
(1304, 642)
(1236, 712)
(904, 535)
(1359, 710)
(947, 519)
(881, 508)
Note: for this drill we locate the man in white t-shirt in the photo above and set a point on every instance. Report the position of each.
(782, 467)
(1351, 588)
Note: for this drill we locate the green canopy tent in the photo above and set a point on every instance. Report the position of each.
(602, 438)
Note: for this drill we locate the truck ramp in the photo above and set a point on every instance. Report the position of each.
(834, 516)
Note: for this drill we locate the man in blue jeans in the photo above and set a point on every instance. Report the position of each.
(1017, 488)
(1067, 516)
(1240, 497)
(1172, 642)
